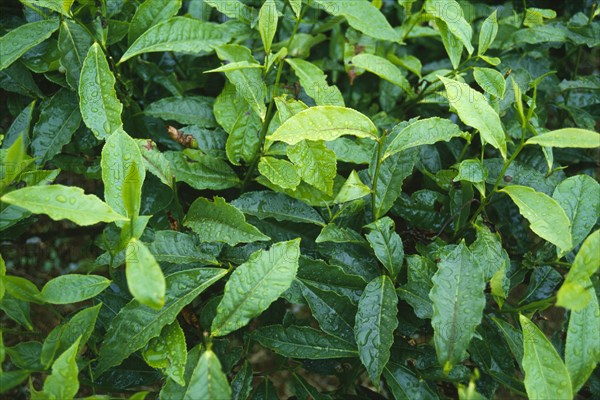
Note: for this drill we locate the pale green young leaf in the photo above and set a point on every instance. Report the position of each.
(190, 110)
(546, 217)
(63, 382)
(255, 284)
(21, 39)
(490, 80)
(150, 13)
(352, 189)
(474, 110)
(383, 68)
(123, 173)
(296, 6)
(303, 342)
(13, 161)
(63, 202)
(73, 288)
(375, 324)
(63, 336)
(267, 204)
(452, 14)
(575, 293)
(21, 288)
(315, 163)
(60, 6)
(100, 107)
(218, 221)
(267, 23)
(568, 137)
(280, 172)
(458, 302)
(362, 15)
(579, 196)
(488, 32)
(168, 352)
(145, 279)
(179, 34)
(387, 245)
(73, 42)
(324, 123)
(58, 121)
(235, 66)
(314, 82)
(420, 132)
(136, 324)
(208, 381)
(453, 46)
(20, 126)
(546, 376)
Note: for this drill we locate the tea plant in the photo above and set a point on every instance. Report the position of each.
(319, 199)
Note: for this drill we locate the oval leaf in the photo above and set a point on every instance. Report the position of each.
(568, 137)
(383, 68)
(21, 39)
(72, 288)
(145, 279)
(208, 381)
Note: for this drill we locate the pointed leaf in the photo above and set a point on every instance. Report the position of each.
(267, 23)
(241, 385)
(324, 123)
(63, 202)
(267, 204)
(190, 110)
(217, 221)
(352, 189)
(255, 284)
(488, 32)
(168, 352)
(279, 172)
(73, 288)
(383, 68)
(316, 164)
(375, 324)
(416, 291)
(452, 14)
(546, 376)
(303, 342)
(387, 245)
(208, 381)
(21, 39)
(203, 172)
(568, 137)
(490, 80)
(63, 382)
(73, 43)
(136, 324)
(145, 279)
(458, 302)
(545, 216)
(474, 110)
(100, 107)
(314, 82)
(150, 13)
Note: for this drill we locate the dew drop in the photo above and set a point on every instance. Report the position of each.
(60, 198)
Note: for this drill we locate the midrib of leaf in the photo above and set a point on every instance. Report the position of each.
(454, 316)
(311, 347)
(102, 96)
(541, 369)
(253, 95)
(57, 135)
(74, 47)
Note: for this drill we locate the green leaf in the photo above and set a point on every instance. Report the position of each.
(579, 196)
(513, 337)
(546, 217)
(458, 302)
(546, 377)
(155, 161)
(472, 171)
(73, 288)
(315, 163)
(333, 233)
(208, 381)
(404, 385)
(248, 82)
(352, 189)
(145, 279)
(387, 245)
(267, 204)
(21, 39)
(21, 288)
(488, 252)
(582, 349)
(58, 121)
(267, 23)
(416, 291)
(383, 68)
(179, 34)
(279, 172)
(568, 137)
(191, 110)
(314, 82)
(334, 313)
(150, 13)
(12, 379)
(452, 14)
(255, 284)
(204, 172)
(488, 32)
(168, 352)
(63, 382)
(490, 80)
(303, 342)
(241, 385)
(217, 221)
(81, 325)
(234, 9)
(375, 324)
(172, 389)
(73, 43)
(100, 107)
(123, 173)
(136, 324)
(60, 6)
(363, 16)
(324, 123)
(420, 132)
(63, 202)
(13, 161)
(181, 248)
(474, 110)
(453, 46)
(574, 293)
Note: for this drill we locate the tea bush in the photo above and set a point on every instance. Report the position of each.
(299, 199)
